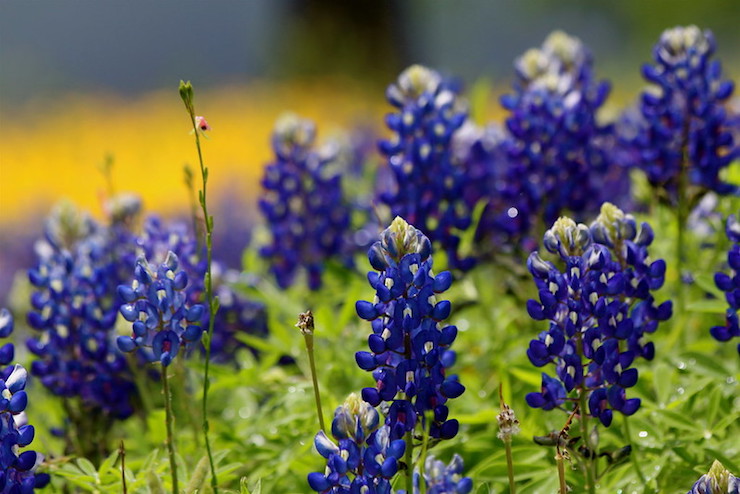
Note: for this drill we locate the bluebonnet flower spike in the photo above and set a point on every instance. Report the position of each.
(363, 459)
(410, 346)
(162, 318)
(730, 284)
(428, 185)
(682, 122)
(17, 469)
(73, 310)
(717, 481)
(303, 206)
(600, 308)
(558, 155)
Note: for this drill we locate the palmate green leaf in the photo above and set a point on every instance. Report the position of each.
(244, 488)
(87, 467)
(108, 465)
(74, 473)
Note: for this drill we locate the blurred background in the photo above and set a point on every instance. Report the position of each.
(83, 82)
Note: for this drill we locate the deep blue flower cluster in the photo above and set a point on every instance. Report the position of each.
(410, 346)
(599, 308)
(158, 238)
(74, 307)
(682, 122)
(156, 303)
(443, 479)
(730, 284)
(17, 471)
(236, 313)
(557, 151)
(428, 184)
(364, 458)
(717, 481)
(303, 205)
(482, 151)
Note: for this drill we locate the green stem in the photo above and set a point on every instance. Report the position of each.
(314, 378)
(510, 465)
(561, 473)
(590, 471)
(423, 455)
(633, 452)
(122, 455)
(186, 93)
(170, 437)
(410, 463)
(197, 230)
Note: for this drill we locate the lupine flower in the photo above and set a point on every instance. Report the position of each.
(683, 123)
(158, 238)
(303, 205)
(482, 151)
(558, 152)
(17, 470)
(730, 284)
(428, 184)
(717, 481)
(443, 479)
(74, 306)
(599, 308)
(163, 319)
(410, 346)
(364, 457)
(236, 313)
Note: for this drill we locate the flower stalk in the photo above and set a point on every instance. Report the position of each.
(561, 472)
(170, 437)
(306, 325)
(561, 452)
(590, 465)
(186, 93)
(508, 427)
(122, 455)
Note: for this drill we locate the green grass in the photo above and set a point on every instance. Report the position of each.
(263, 416)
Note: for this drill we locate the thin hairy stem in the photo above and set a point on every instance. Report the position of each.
(590, 464)
(170, 437)
(122, 455)
(510, 465)
(429, 416)
(186, 92)
(410, 462)
(306, 325)
(561, 472)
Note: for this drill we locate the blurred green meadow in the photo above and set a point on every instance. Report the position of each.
(261, 407)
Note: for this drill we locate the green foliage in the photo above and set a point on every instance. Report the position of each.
(262, 414)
